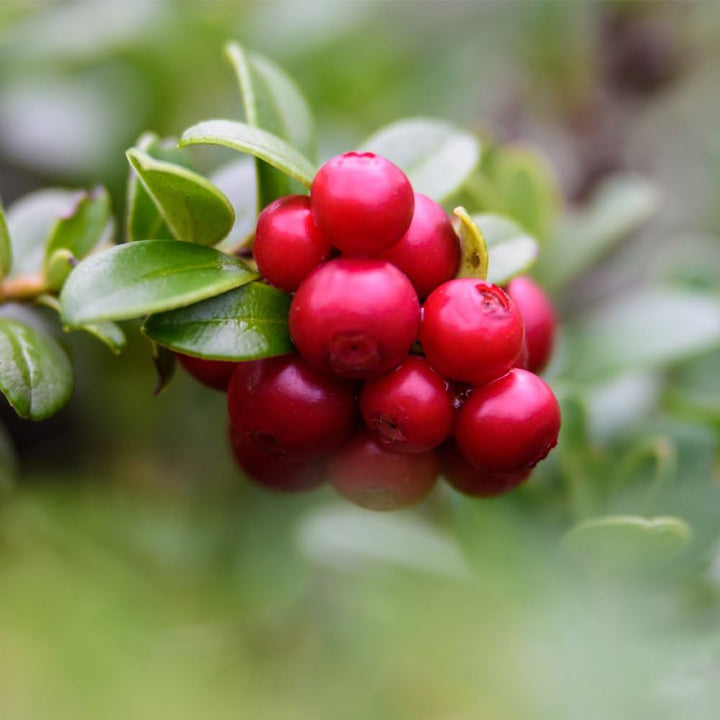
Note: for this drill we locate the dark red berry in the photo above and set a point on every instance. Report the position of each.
(429, 252)
(288, 244)
(213, 373)
(354, 318)
(467, 479)
(471, 331)
(509, 425)
(378, 479)
(273, 472)
(362, 203)
(289, 409)
(409, 409)
(539, 318)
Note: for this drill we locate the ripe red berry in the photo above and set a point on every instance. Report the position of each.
(409, 409)
(273, 472)
(467, 479)
(539, 318)
(362, 203)
(509, 425)
(354, 318)
(288, 244)
(213, 373)
(289, 409)
(378, 479)
(429, 252)
(471, 331)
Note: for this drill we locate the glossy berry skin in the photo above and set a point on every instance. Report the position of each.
(509, 425)
(213, 373)
(429, 252)
(354, 318)
(539, 318)
(288, 244)
(409, 409)
(468, 480)
(377, 479)
(272, 472)
(289, 409)
(471, 331)
(362, 203)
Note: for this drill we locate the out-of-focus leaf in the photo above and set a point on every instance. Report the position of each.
(694, 388)
(436, 156)
(237, 181)
(243, 324)
(58, 267)
(473, 248)
(35, 373)
(5, 248)
(147, 276)
(511, 250)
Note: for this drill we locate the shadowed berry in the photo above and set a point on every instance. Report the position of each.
(213, 373)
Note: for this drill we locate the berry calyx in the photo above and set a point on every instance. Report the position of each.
(409, 409)
(362, 203)
(377, 479)
(355, 318)
(471, 331)
(509, 425)
(213, 373)
(287, 408)
(287, 243)
(429, 252)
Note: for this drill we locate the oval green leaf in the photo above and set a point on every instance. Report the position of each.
(147, 276)
(35, 373)
(253, 141)
(243, 324)
(473, 248)
(511, 250)
(5, 248)
(58, 267)
(437, 156)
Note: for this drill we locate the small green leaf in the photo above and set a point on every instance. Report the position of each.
(147, 276)
(237, 181)
(437, 156)
(35, 373)
(511, 250)
(79, 231)
(253, 141)
(194, 209)
(5, 248)
(243, 324)
(165, 363)
(474, 251)
(58, 267)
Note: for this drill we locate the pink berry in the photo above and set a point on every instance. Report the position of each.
(509, 425)
(471, 331)
(287, 243)
(429, 252)
(378, 479)
(362, 203)
(354, 318)
(289, 409)
(408, 409)
(213, 373)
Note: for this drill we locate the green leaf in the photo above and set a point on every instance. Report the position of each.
(473, 248)
(58, 267)
(511, 250)
(165, 363)
(79, 231)
(437, 156)
(194, 209)
(237, 181)
(35, 373)
(243, 324)
(621, 205)
(147, 276)
(648, 328)
(253, 141)
(5, 248)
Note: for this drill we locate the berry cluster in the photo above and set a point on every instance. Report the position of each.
(385, 393)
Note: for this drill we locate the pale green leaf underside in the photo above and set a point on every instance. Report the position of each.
(511, 250)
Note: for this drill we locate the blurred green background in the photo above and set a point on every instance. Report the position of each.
(142, 577)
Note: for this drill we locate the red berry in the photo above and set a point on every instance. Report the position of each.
(288, 244)
(471, 331)
(429, 252)
(378, 479)
(355, 318)
(362, 203)
(539, 318)
(509, 425)
(289, 409)
(273, 472)
(467, 479)
(408, 409)
(213, 373)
